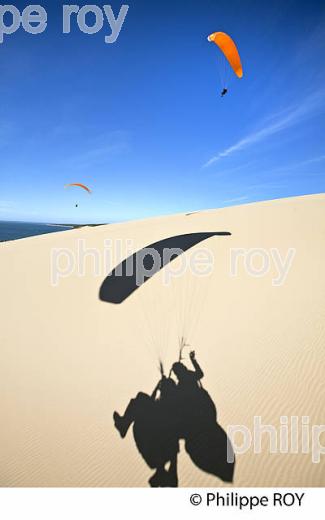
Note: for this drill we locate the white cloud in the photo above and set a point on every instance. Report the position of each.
(237, 199)
(309, 161)
(291, 117)
(288, 168)
(100, 150)
(221, 172)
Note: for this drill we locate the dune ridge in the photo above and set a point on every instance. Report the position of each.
(68, 360)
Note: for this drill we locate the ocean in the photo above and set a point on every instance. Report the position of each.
(16, 230)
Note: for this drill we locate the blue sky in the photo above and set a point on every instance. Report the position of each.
(141, 121)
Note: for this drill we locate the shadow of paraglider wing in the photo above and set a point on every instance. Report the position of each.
(124, 279)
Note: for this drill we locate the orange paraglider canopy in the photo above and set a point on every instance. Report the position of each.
(79, 185)
(229, 49)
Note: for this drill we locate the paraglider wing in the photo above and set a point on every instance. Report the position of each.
(77, 184)
(229, 49)
(120, 284)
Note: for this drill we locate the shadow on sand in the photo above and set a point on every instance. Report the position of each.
(177, 409)
(174, 411)
(135, 270)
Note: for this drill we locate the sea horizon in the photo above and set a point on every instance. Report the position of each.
(17, 229)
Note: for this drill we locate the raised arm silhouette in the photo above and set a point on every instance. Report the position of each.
(174, 411)
(205, 441)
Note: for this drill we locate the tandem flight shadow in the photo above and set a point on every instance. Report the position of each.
(179, 408)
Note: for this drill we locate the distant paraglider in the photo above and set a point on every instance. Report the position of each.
(78, 185)
(230, 54)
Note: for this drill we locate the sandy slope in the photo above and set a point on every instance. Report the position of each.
(67, 360)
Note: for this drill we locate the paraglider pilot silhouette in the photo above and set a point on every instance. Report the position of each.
(79, 186)
(228, 53)
(183, 410)
(179, 407)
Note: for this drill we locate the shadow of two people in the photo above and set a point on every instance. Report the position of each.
(175, 411)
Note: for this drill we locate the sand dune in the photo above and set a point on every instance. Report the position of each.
(68, 360)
